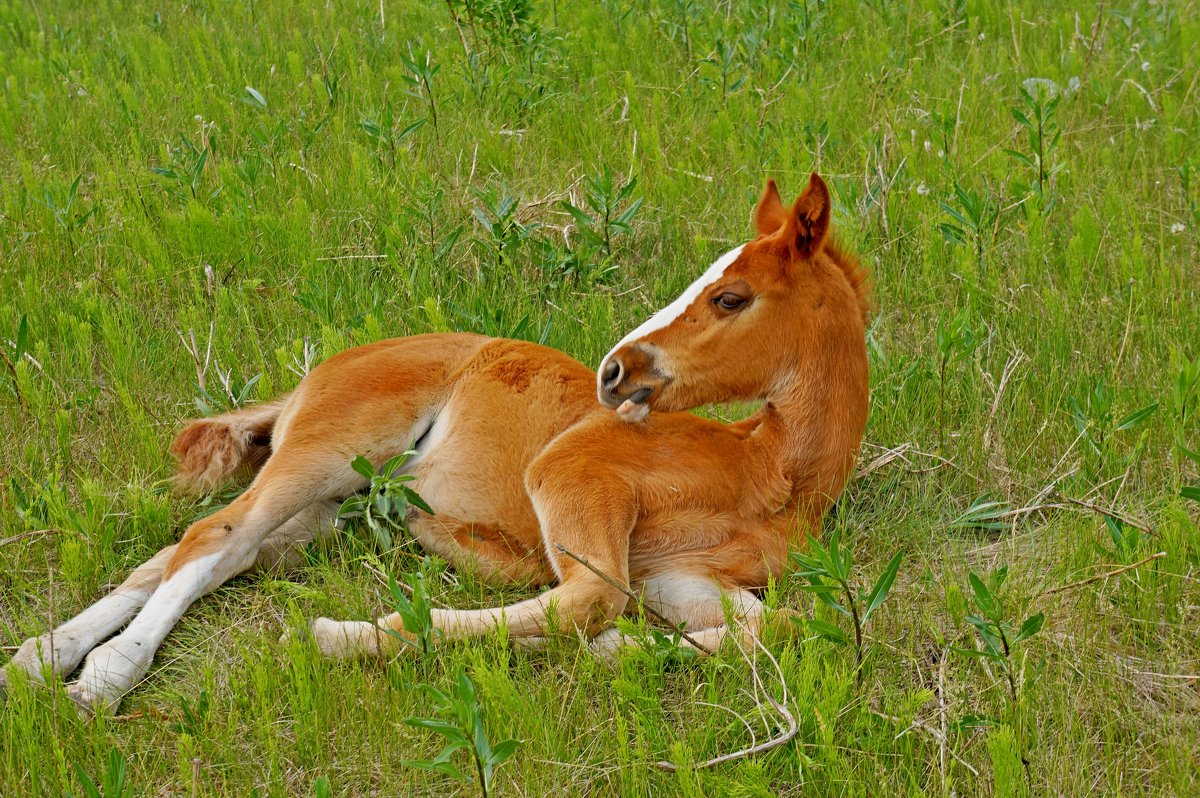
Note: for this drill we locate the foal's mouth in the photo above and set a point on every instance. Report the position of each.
(634, 408)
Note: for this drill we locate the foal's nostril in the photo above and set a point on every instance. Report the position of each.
(611, 377)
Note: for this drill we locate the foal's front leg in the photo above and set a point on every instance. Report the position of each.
(589, 513)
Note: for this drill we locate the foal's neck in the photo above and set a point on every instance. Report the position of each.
(810, 428)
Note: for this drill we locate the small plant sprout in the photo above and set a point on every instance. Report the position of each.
(829, 574)
(193, 716)
(460, 721)
(723, 67)
(497, 215)
(381, 130)
(13, 351)
(234, 394)
(975, 221)
(383, 505)
(1000, 646)
(1183, 404)
(113, 784)
(415, 612)
(184, 170)
(68, 218)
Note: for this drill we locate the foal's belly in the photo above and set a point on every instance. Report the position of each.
(508, 403)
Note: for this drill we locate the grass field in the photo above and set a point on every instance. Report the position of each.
(285, 180)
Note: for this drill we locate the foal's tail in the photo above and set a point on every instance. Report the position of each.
(211, 450)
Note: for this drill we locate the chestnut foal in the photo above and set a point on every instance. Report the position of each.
(517, 458)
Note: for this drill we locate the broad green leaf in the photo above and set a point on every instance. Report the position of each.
(1136, 417)
(882, 586)
(447, 768)
(1188, 453)
(415, 499)
(256, 97)
(363, 466)
(820, 587)
(22, 343)
(503, 751)
(827, 631)
(971, 722)
(983, 514)
(1191, 492)
(1032, 625)
(452, 733)
(983, 596)
(829, 601)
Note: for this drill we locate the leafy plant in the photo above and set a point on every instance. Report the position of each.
(460, 722)
(984, 514)
(975, 219)
(185, 167)
(381, 130)
(1126, 540)
(234, 394)
(62, 205)
(605, 196)
(497, 22)
(194, 715)
(1183, 405)
(13, 351)
(113, 784)
(498, 216)
(420, 81)
(383, 506)
(829, 574)
(1000, 644)
(724, 68)
(1038, 115)
(1095, 420)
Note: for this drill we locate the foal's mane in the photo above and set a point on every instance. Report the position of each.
(856, 275)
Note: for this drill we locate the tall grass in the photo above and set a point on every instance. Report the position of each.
(285, 180)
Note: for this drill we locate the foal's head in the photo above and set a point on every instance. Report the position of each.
(757, 320)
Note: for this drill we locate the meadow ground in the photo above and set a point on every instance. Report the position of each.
(283, 180)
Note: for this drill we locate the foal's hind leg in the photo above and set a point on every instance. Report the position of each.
(212, 551)
(698, 603)
(65, 647)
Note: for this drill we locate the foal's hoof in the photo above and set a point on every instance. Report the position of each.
(87, 703)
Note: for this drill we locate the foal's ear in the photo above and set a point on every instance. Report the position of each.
(809, 220)
(771, 214)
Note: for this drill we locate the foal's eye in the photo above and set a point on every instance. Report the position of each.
(729, 301)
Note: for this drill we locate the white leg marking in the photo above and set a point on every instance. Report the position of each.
(695, 601)
(113, 668)
(348, 639)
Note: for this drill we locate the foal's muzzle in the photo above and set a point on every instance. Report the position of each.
(628, 375)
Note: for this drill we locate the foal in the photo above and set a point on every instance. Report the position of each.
(518, 459)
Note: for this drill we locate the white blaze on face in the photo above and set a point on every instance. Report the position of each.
(677, 308)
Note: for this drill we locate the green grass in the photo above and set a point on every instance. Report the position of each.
(146, 190)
